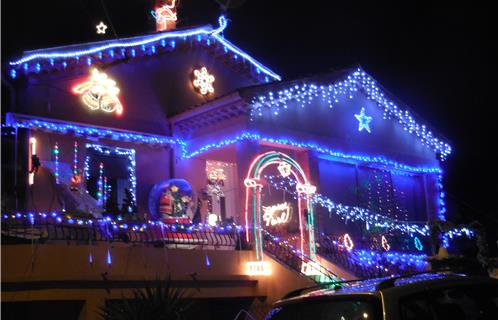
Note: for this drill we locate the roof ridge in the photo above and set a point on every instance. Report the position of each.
(39, 60)
(111, 41)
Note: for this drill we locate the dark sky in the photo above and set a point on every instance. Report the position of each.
(435, 57)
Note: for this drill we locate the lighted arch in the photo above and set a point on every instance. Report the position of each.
(253, 211)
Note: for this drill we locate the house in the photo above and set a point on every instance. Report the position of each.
(181, 139)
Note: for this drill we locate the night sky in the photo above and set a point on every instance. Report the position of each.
(435, 57)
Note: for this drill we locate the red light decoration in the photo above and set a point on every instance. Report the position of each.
(165, 14)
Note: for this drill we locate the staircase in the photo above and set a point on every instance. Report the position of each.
(369, 264)
(283, 252)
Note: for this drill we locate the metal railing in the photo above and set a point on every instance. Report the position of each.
(329, 249)
(297, 261)
(49, 231)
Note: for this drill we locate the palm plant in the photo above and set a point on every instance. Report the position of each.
(159, 302)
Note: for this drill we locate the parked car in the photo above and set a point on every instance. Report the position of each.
(424, 296)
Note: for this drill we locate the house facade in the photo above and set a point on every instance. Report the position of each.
(183, 130)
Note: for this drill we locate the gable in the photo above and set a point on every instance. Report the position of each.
(324, 112)
(154, 75)
(62, 59)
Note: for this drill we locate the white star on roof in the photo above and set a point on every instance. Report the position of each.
(101, 27)
(364, 121)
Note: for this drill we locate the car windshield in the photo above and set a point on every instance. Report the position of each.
(329, 309)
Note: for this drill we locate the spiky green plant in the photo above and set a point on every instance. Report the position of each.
(159, 302)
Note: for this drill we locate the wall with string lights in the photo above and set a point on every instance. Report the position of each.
(136, 83)
(354, 124)
(68, 162)
(139, 96)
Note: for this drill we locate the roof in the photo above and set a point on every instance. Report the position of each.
(271, 99)
(61, 58)
(368, 286)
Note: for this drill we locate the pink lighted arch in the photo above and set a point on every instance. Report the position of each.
(287, 166)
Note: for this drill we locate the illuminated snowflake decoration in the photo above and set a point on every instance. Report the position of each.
(203, 81)
(100, 92)
(364, 121)
(101, 28)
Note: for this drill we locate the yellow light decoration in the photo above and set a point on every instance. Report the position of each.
(212, 219)
(258, 268)
(32, 152)
(311, 268)
(385, 244)
(271, 216)
(348, 242)
(203, 81)
(101, 28)
(305, 188)
(284, 168)
(251, 183)
(100, 92)
(217, 174)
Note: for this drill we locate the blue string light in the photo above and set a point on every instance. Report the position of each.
(304, 94)
(109, 257)
(350, 213)
(64, 128)
(441, 213)
(146, 40)
(114, 151)
(456, 232)
(309, 145)
(372, 259)
(117, 224)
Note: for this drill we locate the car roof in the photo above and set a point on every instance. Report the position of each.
(372, 287)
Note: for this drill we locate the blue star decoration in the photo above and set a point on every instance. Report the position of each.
(364, 121)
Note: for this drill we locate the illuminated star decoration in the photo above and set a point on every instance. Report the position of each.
(364, 121)
(203, 81)
(100, 92)
(101, 27)
(163, 15)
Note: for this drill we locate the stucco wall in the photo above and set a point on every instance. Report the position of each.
(70, 263)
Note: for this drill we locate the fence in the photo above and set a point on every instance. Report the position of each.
(335, 253)
(22, 231)
(296, 261)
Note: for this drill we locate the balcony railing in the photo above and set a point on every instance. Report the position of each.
(370, 264)
(297, 261)
(50, 230)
